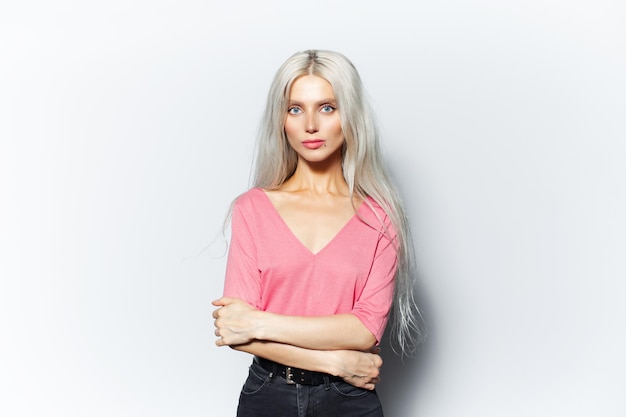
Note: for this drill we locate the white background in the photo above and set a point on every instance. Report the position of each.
(126, 129)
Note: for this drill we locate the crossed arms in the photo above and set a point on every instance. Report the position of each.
(338, 344)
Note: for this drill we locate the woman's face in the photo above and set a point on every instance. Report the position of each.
(312, 123)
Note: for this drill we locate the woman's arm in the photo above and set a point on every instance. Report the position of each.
(237, 322)
(360, 369)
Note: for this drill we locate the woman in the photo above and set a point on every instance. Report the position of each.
(318, 247)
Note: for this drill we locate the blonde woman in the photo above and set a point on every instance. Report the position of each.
(319, 253)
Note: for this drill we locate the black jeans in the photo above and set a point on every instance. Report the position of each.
(266, 395)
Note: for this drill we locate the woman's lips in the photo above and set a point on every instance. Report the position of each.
(313, 143)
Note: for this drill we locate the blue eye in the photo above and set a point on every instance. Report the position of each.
(294, 110)
(327, 108)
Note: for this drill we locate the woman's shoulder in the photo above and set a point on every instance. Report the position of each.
(373, 207)
(250, 197)
(251, 194)
(373, 213)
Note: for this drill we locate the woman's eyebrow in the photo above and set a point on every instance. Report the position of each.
(320, 102)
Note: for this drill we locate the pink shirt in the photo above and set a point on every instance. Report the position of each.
(269, 268)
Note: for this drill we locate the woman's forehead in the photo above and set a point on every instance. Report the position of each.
(311, 87)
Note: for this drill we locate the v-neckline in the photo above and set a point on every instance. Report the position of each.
(296, 238)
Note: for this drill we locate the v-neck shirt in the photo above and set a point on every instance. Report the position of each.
(272, 270)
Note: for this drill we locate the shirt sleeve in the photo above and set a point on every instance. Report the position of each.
(373, 305)
(242, 274)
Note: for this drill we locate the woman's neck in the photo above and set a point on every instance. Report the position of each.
(320, 178)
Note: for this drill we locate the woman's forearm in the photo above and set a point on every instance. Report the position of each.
(339, 331)
(360, 369)
(237, 323)
(297, 357)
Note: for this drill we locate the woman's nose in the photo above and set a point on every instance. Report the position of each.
(311, 123)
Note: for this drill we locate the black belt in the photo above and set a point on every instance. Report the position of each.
(295, 375)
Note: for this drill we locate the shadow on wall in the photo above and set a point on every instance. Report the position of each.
(403, 376)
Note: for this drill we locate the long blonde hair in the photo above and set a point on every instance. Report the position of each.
(363, 168)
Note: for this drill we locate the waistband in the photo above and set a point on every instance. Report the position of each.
(295, 375)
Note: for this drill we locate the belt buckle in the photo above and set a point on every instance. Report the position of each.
(289, 376)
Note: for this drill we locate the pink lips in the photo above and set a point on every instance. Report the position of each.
(313, 143)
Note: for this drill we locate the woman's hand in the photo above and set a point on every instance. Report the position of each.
(235, 321)
(361, 369)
